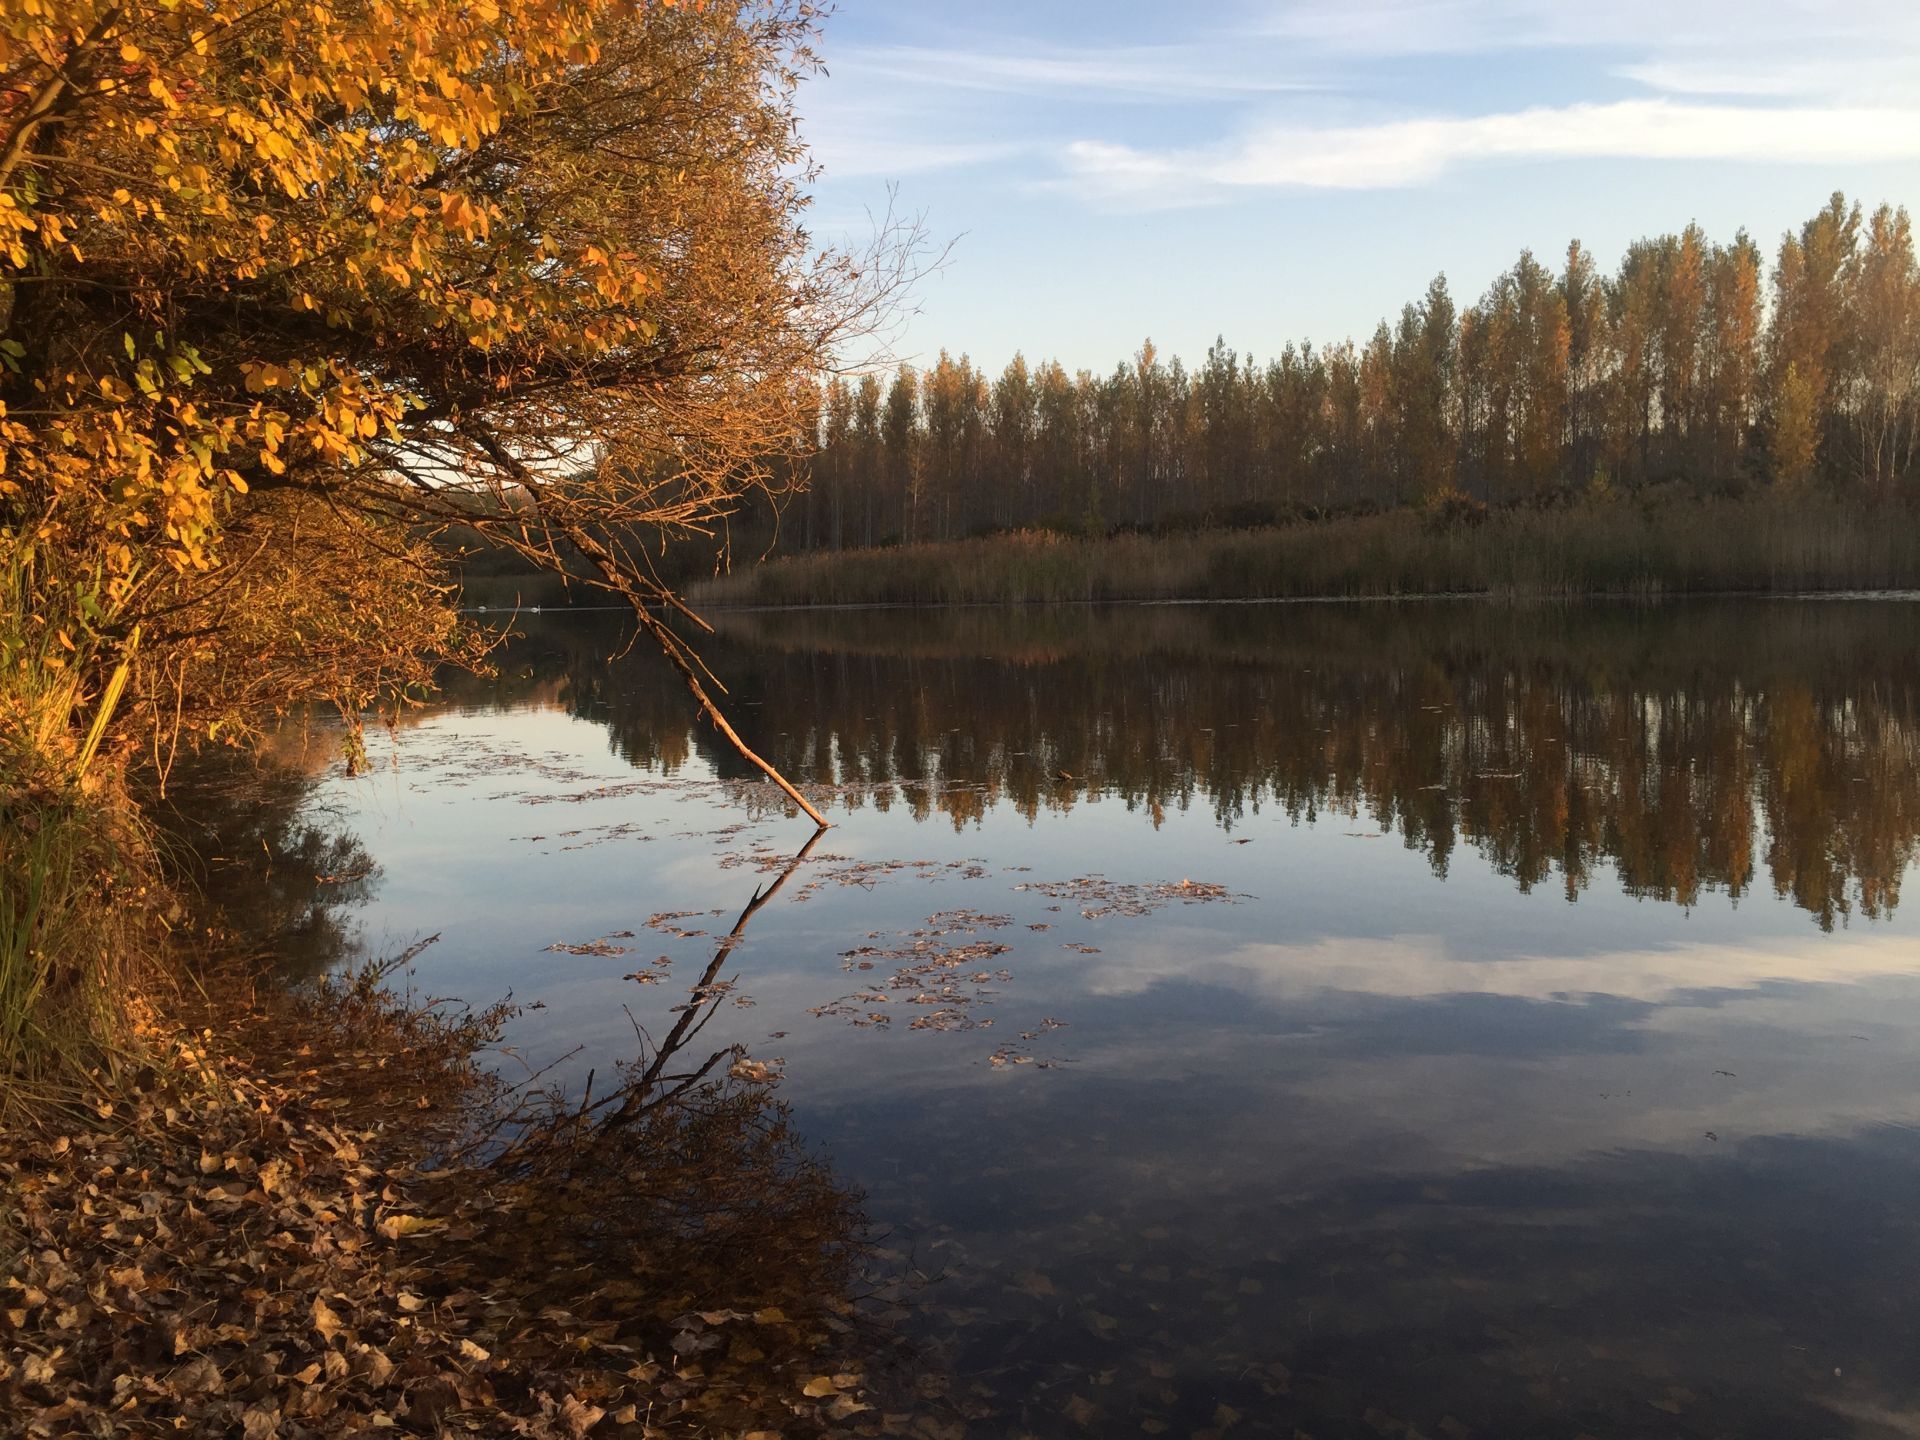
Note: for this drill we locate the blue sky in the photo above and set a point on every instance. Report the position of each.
(1274, 169)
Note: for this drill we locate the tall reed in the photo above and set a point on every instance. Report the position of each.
(77, 871)
(1623, 547)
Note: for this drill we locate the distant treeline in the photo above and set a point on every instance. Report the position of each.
(1691, 362)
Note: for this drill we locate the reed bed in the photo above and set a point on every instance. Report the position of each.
(78, 866)
(1620, 548)
(74, 935)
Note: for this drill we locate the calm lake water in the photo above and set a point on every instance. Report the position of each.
(1430, 1019)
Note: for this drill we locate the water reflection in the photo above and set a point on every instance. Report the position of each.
(673, 1219)
(276, 873)
(1692, 748)
(1387, 1139)
(683, 1219)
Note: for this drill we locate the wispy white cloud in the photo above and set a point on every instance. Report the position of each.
(890, 155)
(1429, 966)
(1875, 80)
(1454, 27)
(1152, 72)
(1400, 153)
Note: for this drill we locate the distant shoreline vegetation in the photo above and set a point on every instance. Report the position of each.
(1642, 548)
(1694, 420)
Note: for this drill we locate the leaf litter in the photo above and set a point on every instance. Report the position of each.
(287, 1231)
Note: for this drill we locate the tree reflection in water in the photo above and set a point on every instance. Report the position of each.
(1354, 1192)
(680, 1221)
(242, 834)
(684, 1215)
(1686, 746)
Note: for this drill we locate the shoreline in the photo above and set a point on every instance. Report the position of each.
(1884, 595)
(1903, 594)
(279, 1226)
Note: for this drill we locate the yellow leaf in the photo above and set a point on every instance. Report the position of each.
(396, 1227)
(819, 1386)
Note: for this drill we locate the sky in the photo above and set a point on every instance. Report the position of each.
(1267, 170)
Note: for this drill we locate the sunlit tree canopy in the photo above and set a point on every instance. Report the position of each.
(534, 266)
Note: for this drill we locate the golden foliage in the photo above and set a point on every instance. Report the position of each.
(292, 157)
(537, 268)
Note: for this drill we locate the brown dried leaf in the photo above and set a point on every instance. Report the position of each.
(397, 1227)
(325, 1320)
(579, 1418)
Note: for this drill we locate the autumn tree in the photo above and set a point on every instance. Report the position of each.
(868, 451)
(1796, 427)
(1059, 446)
(900, 449)
(1666, 372)
(1679, 332)
(1014, 402)
(1589, 349)
(1732, 350)
(1810, 320)
(1423, 380)
(537, 269)
(1885, 403)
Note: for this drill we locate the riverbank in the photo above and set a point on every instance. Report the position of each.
(317, 1213)
(1614, 547)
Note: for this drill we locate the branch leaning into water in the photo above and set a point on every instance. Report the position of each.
(642, 593)
(682, 658)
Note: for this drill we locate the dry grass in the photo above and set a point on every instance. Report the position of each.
(1618, 548)
(74, 935)
(77, 866)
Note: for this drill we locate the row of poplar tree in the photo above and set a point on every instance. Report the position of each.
(1689, 363)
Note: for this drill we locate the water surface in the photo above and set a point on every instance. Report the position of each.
(1429, 1019)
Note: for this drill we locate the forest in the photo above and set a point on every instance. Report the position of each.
(1693, 361)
